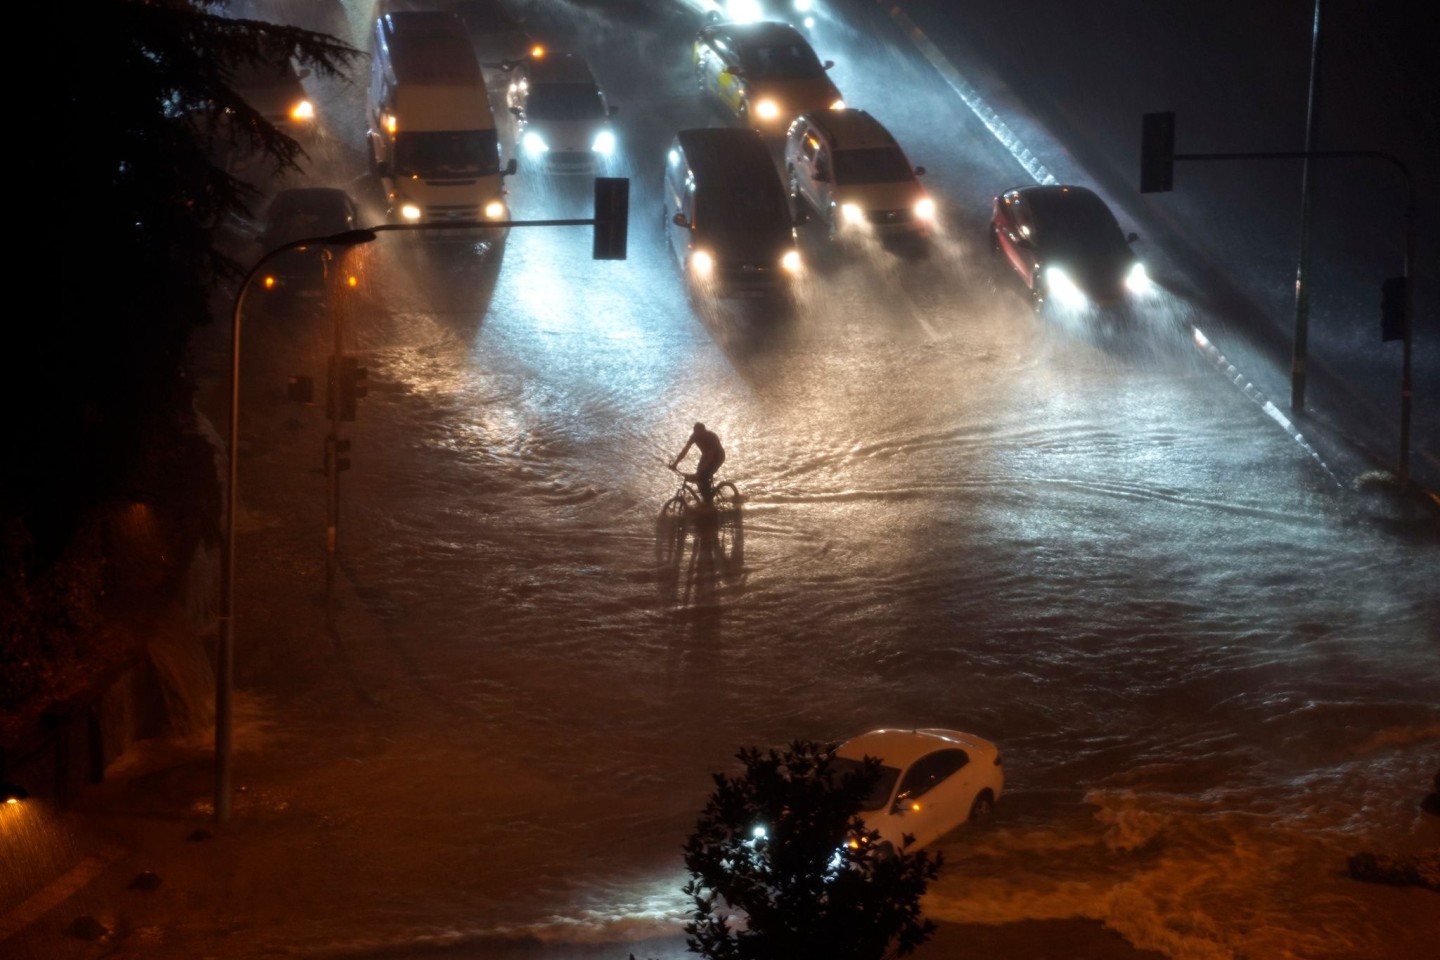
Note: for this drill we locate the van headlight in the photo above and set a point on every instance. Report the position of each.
(767, 109)
(790, 262)
(495, 210)
(604, 143)
(925, 210)
(533, 143)
(851, 213)
(702, 263)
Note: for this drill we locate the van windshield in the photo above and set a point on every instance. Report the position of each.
(564, 101)
(447, 153)
(878, 165)
(737, 208)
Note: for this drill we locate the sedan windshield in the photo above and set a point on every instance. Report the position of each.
(1075, 222)
(564, 101)
(879, 794)
(789, 61)
(879, 165)
(447, 153)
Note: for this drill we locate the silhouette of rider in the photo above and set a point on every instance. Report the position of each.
(712, 455)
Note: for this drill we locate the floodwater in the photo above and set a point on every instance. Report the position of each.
(1207, 653)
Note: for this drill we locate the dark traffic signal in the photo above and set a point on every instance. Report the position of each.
(1157, 152)
(612, 217)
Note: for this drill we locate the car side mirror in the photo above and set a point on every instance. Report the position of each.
(919, 171)
(510, 168)
(679, 220)
(1132, 237)
(828, 64)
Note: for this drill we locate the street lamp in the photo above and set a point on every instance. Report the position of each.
(225, 648)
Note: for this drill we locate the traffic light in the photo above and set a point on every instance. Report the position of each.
(612, 217)
(348, 383)
(1392, 309)
(1157, 152)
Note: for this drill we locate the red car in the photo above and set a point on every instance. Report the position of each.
(1067, 247)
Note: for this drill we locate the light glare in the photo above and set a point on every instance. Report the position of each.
(767, 110)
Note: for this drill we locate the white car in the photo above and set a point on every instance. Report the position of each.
(932, 781)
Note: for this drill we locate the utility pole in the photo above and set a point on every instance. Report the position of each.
(1300, 345)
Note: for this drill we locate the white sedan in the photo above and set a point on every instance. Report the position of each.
(931, 781)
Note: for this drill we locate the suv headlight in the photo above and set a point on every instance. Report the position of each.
(1062, 288)
(925, 209)
(604, 143)
(790, 262)
(852, 213)
(1138, 280)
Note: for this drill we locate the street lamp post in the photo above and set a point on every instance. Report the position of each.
(225, 647)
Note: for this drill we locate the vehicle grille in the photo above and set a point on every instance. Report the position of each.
(883, 217)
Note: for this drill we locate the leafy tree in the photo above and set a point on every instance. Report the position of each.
(783, 867)
(99, 395)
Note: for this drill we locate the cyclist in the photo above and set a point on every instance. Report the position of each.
(712, 455)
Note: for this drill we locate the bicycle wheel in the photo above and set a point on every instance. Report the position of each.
(674, 508)
(726, 495)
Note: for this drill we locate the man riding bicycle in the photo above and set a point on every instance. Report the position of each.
(712, 455)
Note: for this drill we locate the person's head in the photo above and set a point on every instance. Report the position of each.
(699, 429)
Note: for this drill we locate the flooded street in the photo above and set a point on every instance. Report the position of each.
(1207, 654)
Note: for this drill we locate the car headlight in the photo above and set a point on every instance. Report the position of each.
(925, 209)
(303, 111)
(767, 109)
(702, 263)
(851, 213)
(604, 143)
(1062, 288)
(791, 261)
(411, 211)
(1138, 280)
(495, 210)
(533, 143)
(837, 104)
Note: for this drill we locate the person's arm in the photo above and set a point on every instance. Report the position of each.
(681, 455)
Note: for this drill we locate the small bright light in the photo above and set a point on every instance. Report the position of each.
(1024, 230)
(538, 51)
(925, 209)
(702, 263)
(838, 105)
(914, 808)
(534, 143)
(353, 281)
(851, 213)
(269, 283)
(791, 261)
(304, 110)
(411, 211)
(758, 833)
(809, 23)
(1138, 280)
(674, 157)
(1062, 288)
(390, 124)
(604, 143)
(495, 210)
(767, 109)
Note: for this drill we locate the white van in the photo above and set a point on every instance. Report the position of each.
(432, 136)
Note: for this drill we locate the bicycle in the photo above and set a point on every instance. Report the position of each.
(687, 497)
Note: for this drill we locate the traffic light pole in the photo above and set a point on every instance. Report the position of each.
(1156, 176)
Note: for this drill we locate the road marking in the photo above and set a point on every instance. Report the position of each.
(1002, 132)
(57, 892)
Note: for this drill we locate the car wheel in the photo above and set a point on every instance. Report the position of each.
(983, 806)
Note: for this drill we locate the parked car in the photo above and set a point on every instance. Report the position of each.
(765, 74)
(845, 167)
(562, 119)
(932, 781)
(301, 213)
(1067, 247)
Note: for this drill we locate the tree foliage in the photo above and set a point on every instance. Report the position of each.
(782, 865)
(99, 403)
